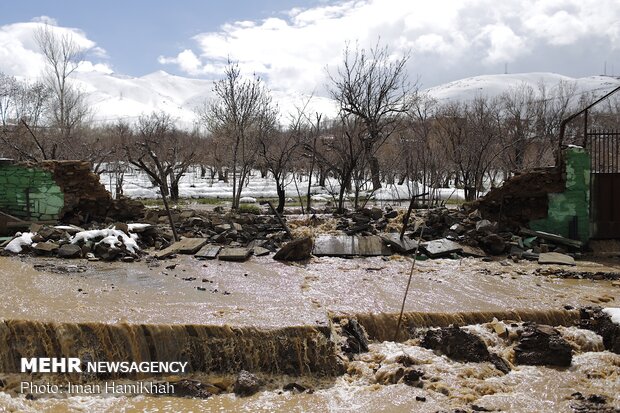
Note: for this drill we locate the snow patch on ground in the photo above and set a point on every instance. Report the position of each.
(614, 313)
(108, 236)
(17, 244)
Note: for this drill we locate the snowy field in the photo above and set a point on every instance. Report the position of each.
(137, 185)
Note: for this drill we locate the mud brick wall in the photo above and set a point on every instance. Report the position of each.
(60, 190)
(572, 205)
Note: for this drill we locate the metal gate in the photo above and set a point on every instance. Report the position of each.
(604, 148)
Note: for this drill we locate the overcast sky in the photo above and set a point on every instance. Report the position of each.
(290, 42)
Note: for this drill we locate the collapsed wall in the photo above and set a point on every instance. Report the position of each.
(59, 190)
(554, 200)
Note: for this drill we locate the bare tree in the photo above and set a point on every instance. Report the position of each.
(277, 149)
(373, 85)
(341, 151)
(22, 111)
(242, 111)
(162, 152)
(63, 56)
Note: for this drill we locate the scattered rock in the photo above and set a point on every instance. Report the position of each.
(460, 345)
(246, 384)
(591, 404)
(494, 244)
(485, 225)
(296, 250)
(294, 387)
(69, 251)
(542, 345)
(356, 340)
(595, 319)
(45, 247)
(193, 388)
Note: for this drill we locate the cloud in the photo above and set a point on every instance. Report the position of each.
(20, 55)
(449, 39)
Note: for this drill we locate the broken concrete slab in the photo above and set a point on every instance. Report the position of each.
(185, 246)
(555, 258)
(234, 254)
(441, 247)
(405, 245)
(557, 239)
(346, 246)
(260, 251)
(208, 252)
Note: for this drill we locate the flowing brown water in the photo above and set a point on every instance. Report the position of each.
(274, 318)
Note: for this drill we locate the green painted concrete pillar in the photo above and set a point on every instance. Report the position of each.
(574, 203)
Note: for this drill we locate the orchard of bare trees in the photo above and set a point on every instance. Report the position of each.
(386, 131)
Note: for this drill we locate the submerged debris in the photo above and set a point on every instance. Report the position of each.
(542, 345)
(460, 345)
(246, 384)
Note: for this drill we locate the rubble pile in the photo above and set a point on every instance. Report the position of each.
(85, 198)
(233, 237)
(118, 241)
(466, 233)
(523, 197)
(442, 232)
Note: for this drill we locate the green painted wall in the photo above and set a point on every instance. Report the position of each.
(574, 201)
(45, 198)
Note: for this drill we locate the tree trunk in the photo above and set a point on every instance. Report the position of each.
(322, 176)
(374, 166)
(174, 191)
(281, 196)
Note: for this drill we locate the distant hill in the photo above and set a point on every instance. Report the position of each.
(122, 97)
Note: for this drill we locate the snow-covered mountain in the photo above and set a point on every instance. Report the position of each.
(115, 97)
(495, 85)
(122, 97)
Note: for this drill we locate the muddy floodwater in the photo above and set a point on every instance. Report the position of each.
(302, 299)
(265, 293)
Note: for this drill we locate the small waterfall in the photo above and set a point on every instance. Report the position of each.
(304, 350)
(381, 327)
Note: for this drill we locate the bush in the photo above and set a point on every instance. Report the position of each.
(250, 209)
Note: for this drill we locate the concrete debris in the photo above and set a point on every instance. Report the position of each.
(185, 246)
(402, 246)
(348, 246)
(441, 248)
(555, 258)
(208, 252)
(234, 254)
(366, 232)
